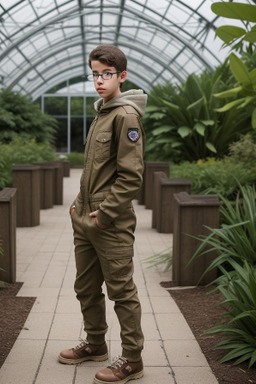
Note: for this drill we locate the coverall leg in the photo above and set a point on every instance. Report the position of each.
(107, 255)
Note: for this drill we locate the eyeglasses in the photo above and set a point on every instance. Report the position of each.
(104, 76)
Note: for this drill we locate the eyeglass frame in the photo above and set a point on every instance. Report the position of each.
(95, 76)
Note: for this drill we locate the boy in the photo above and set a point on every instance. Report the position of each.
(104, 221)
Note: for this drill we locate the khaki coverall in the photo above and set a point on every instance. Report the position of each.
(111, 178)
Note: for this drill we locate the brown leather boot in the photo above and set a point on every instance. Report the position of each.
(120, 372)
(83, 352)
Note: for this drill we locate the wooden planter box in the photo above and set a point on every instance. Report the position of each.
(156, 204)
(57, 182)
(26, 179)
(47, 175)
(150, 168)
(8, 234)
(191, 214)
(165, 201)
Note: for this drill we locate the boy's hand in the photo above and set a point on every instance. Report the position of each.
(94, 214)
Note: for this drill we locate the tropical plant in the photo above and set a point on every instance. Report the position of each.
(182, 122)
(239, 292)
(236, 36)
(235, 239)
(244, 93)
(235, 245)
(19, 117)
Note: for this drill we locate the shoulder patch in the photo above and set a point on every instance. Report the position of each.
(133, 134)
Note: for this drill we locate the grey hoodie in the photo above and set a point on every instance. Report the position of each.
(135, 98)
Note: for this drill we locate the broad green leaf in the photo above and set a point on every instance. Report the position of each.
(228, 33)
(193, 88)
(237, 11)
(247, 100)
(160, 130)
(171, 105)
(252, 75)
(208, 122)
(250, 36)
(230, 105)
(184, 131)
(200, 128)
(164, 140)
(229, 93)
(254, 118)
(176, 144)
(157, 115)
(211, 147)
(196, 104)
(239, 69)
(152, 108)
(253, 359)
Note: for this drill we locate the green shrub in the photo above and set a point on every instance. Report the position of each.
(182, 123)
(19, 117)
(21, 151)
(76, 159)
(244, 150)
(211, 176)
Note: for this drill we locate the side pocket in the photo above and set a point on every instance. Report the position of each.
(120, 263)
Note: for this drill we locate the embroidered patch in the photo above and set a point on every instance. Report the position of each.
(133, 134)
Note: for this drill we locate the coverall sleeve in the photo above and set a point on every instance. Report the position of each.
(130, 165)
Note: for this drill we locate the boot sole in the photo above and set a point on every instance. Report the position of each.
(63, 360)
(135, 376)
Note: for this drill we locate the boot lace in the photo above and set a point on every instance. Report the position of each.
(118, 361)
(83, 343)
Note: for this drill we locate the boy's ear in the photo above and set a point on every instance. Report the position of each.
(123, 76)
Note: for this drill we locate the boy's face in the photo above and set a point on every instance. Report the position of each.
(110, 88)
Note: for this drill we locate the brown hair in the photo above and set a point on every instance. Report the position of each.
(110, 55)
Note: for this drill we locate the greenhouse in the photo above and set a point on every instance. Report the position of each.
(45, 46)
(149, 177)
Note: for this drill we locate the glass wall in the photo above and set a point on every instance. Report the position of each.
(74, 114)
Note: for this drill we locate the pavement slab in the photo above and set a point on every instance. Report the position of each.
(45, 265)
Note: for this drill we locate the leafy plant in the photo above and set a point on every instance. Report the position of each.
(76, 159)
(235, 240)
(239, 292)
(21, 151)
(235, 245)
(221, 177)
(235, 36)
(161, 258)
(244, 150)
(19, 117)
(183, 123)
(244, 93)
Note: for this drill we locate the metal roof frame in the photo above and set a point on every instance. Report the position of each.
(160, 44)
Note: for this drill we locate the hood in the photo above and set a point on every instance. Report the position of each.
(135, 98)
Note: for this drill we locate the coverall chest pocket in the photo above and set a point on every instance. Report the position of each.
(103, 145)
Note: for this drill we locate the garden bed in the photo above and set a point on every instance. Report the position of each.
(13, 314)
(200, 320)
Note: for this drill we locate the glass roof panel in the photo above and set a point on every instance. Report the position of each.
(43, 42)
